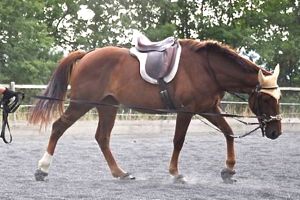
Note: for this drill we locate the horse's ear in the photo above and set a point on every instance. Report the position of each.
(261, 77)
(276, 71)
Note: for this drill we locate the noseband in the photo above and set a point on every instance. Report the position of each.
(263, 118)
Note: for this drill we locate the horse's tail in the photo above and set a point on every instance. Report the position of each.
(57, 87)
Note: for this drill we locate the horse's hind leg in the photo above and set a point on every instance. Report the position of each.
(107, 116)
(182, 123)
(72, 114)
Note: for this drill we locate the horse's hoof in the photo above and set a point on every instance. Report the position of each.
(227, 174)
(127, 176)
(180, 179)
(40, 175)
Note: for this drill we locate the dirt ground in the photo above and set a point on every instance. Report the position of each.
(265, 169)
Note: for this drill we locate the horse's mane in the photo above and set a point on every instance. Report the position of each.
(226, 50)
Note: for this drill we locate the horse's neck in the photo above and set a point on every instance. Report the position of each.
(232, 77)
(243, 83)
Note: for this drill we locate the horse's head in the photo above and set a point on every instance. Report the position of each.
(264, 103)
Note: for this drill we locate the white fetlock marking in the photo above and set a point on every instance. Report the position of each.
(179, 179)
(45, 162)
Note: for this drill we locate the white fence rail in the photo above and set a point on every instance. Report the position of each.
(14, 86)
(24, 86)
(291, 109)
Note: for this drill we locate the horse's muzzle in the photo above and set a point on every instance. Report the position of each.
(273, 135)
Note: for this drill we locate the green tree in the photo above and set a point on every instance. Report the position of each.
(156, 18)
(25, 55)
(271, 28)
(280, 43)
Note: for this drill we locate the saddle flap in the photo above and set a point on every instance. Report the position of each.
(155, 64)
(163, 59)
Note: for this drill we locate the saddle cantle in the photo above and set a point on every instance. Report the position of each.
(143, 44)
(158, 60)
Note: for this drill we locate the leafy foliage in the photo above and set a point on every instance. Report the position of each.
(24, 43)
(31, 30)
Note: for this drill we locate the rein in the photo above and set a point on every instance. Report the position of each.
(158, 110)
(262, 119)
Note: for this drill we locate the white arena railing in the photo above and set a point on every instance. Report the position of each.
(122, 114)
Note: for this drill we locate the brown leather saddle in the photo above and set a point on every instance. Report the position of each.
(160, 55)
(158, 62)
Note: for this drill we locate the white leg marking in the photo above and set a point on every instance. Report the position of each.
(45, 162)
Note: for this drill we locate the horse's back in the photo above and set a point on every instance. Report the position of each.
(106, 71)
(100, 63)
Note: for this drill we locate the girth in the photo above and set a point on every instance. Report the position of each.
(165, 95)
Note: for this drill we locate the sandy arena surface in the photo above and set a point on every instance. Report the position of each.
(265, 169)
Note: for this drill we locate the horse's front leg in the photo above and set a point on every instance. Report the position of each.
(182, 123)
(221, 123)
(106, 122)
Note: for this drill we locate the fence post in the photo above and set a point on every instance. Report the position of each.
(12, 86)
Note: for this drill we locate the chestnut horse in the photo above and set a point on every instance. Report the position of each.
(110, 75)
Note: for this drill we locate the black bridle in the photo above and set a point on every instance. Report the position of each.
(262, 117)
